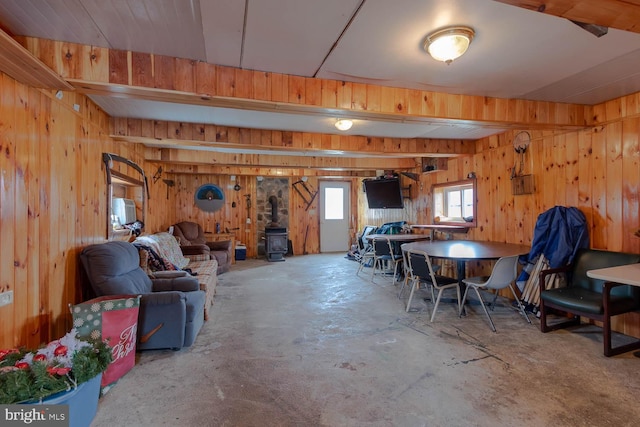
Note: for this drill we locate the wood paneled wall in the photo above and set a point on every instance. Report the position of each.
(52, 204)
(303, 222)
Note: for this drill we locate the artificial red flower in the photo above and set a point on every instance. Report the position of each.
(56, 370)
(3, 353)
(22, 365)
(63, 371)
(39, 357)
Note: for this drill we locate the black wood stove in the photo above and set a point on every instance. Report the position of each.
(276, 243)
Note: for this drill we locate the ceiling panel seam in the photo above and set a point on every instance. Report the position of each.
(95, 24)
(244, 32)
(344, 30)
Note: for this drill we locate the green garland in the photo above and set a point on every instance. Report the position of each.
(36, 382)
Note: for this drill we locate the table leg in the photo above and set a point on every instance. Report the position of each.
(461, 272)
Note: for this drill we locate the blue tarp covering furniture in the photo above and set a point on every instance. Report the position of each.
(558, 234)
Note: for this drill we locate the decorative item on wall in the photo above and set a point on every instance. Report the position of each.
(209, 198)
(308, 195)
(127, 186)
(169, 183)
(157, 175)
(521, 183)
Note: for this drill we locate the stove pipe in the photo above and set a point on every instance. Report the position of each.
(273, 200)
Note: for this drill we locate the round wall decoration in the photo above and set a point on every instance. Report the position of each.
(209, 197)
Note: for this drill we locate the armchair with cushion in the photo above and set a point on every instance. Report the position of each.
(590, 298)
(193, 241)
(171, 308)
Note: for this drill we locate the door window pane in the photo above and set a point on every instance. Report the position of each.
(334, 203)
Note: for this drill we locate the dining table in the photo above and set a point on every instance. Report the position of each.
(628, 274)
(400, 237)
(462, 251)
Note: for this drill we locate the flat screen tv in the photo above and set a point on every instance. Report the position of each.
(383, 193)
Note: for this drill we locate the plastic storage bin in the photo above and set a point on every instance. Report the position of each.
(241, 252)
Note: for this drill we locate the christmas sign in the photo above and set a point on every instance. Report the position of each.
(113, 319)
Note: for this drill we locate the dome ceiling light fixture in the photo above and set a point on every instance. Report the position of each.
(344, 124)
(448, 43)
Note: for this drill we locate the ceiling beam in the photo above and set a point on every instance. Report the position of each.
(200, 169)
(23, 66)
(193, 157)
(620, 14)
(501, 113)
(220, 138)
(117, 73)
(223, 147)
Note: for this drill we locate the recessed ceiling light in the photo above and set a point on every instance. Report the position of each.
(344, 124)
(448, 43)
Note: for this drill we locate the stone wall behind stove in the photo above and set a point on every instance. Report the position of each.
(278, 187)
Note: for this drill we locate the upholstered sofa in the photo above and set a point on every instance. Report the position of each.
(160, 252)
(171, 308)
(193, 241)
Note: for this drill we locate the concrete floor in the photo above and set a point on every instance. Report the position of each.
(306, 342)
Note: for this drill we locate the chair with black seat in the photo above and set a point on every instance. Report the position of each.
(383, 256)
(502, 276)
(408, 274)
(583, 296)
(364, 253)
(422, 271)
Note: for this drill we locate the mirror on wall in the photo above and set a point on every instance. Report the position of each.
(454, 203)
(127, 192)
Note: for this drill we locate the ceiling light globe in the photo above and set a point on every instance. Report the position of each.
(449, 43)
(344, 124)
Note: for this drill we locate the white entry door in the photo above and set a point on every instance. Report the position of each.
(334, 216)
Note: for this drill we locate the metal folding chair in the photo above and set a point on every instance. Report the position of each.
(422, 271)
(383, 255)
